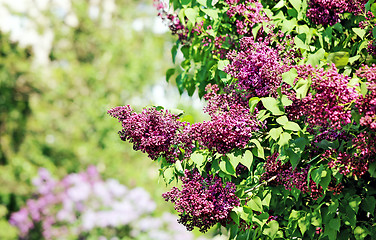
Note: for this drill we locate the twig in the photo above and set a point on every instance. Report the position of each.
(261, 184)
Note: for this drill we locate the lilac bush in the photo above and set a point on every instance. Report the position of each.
(289, 150)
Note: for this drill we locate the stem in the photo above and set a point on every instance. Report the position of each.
(261, 184)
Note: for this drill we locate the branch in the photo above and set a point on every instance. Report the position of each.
(261, 184)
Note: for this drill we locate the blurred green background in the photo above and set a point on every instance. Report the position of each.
(63, 64)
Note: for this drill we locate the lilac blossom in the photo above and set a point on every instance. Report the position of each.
(203, 201)
(367, 104)
(249, 11)
(257, 66)
(171, 19)
(328, 103)
(328, 12)
(157, 133)
(83, 202)
(231, 123)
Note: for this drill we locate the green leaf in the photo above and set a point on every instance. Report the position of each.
(185, 2)
(211, 13)
(247, 159)
(300, 44)
(303, 225)
(174, 51)
(316, 174)
(368, 204)
(289, 76)
(260, 219)
(202, 2)
(294, 156)
(340, 59)
(169, 73)
(226, 167)
(179, 167)
(314, 59)
(294, 215)
(302, 87)
(260, 149)
(354, 203)
(325, 144)
(255, 204)
(285, 101)
(262, 115)
(284, 139)
(335, 224)
(198, 159)
(292, 126)
(325, 179)
(279, 5)
(353, 59)
(374, 28)
(255, 30)
(275, 133)
(360, 32)
(234, 216)
(289, 25)
(222, 64)
(234, 160)
(169, 175)
(272, 105)
(331, 233)
(271, 229)
(296, 4)
(372, 169)
(360, 232)
(191, 15)
(253, 103)
(282, 120)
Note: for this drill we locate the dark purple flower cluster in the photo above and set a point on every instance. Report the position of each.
(355, 163)
(203, 202)
(329, 101)
(327, 12)
(371, 48)
(367, 104)
(171, 19)
(257, 66)
(249, 11)
(231, 123)
(157, 133)
(161, 134)
(289, 177)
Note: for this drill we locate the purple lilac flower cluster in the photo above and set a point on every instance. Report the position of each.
(155, 132)
(171, 19)
(249, 11)
(289, 177)
(327, 12)
(231, 124)
(203, 201)
(257, 66)
(367, 104)
(160, 133)
(371, 48)
(83, 202)
(328, 104)
(358, 162)
(78, 204)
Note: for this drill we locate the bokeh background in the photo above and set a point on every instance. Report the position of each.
(63, 64)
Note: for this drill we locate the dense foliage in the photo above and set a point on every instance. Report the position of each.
(290, 90)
